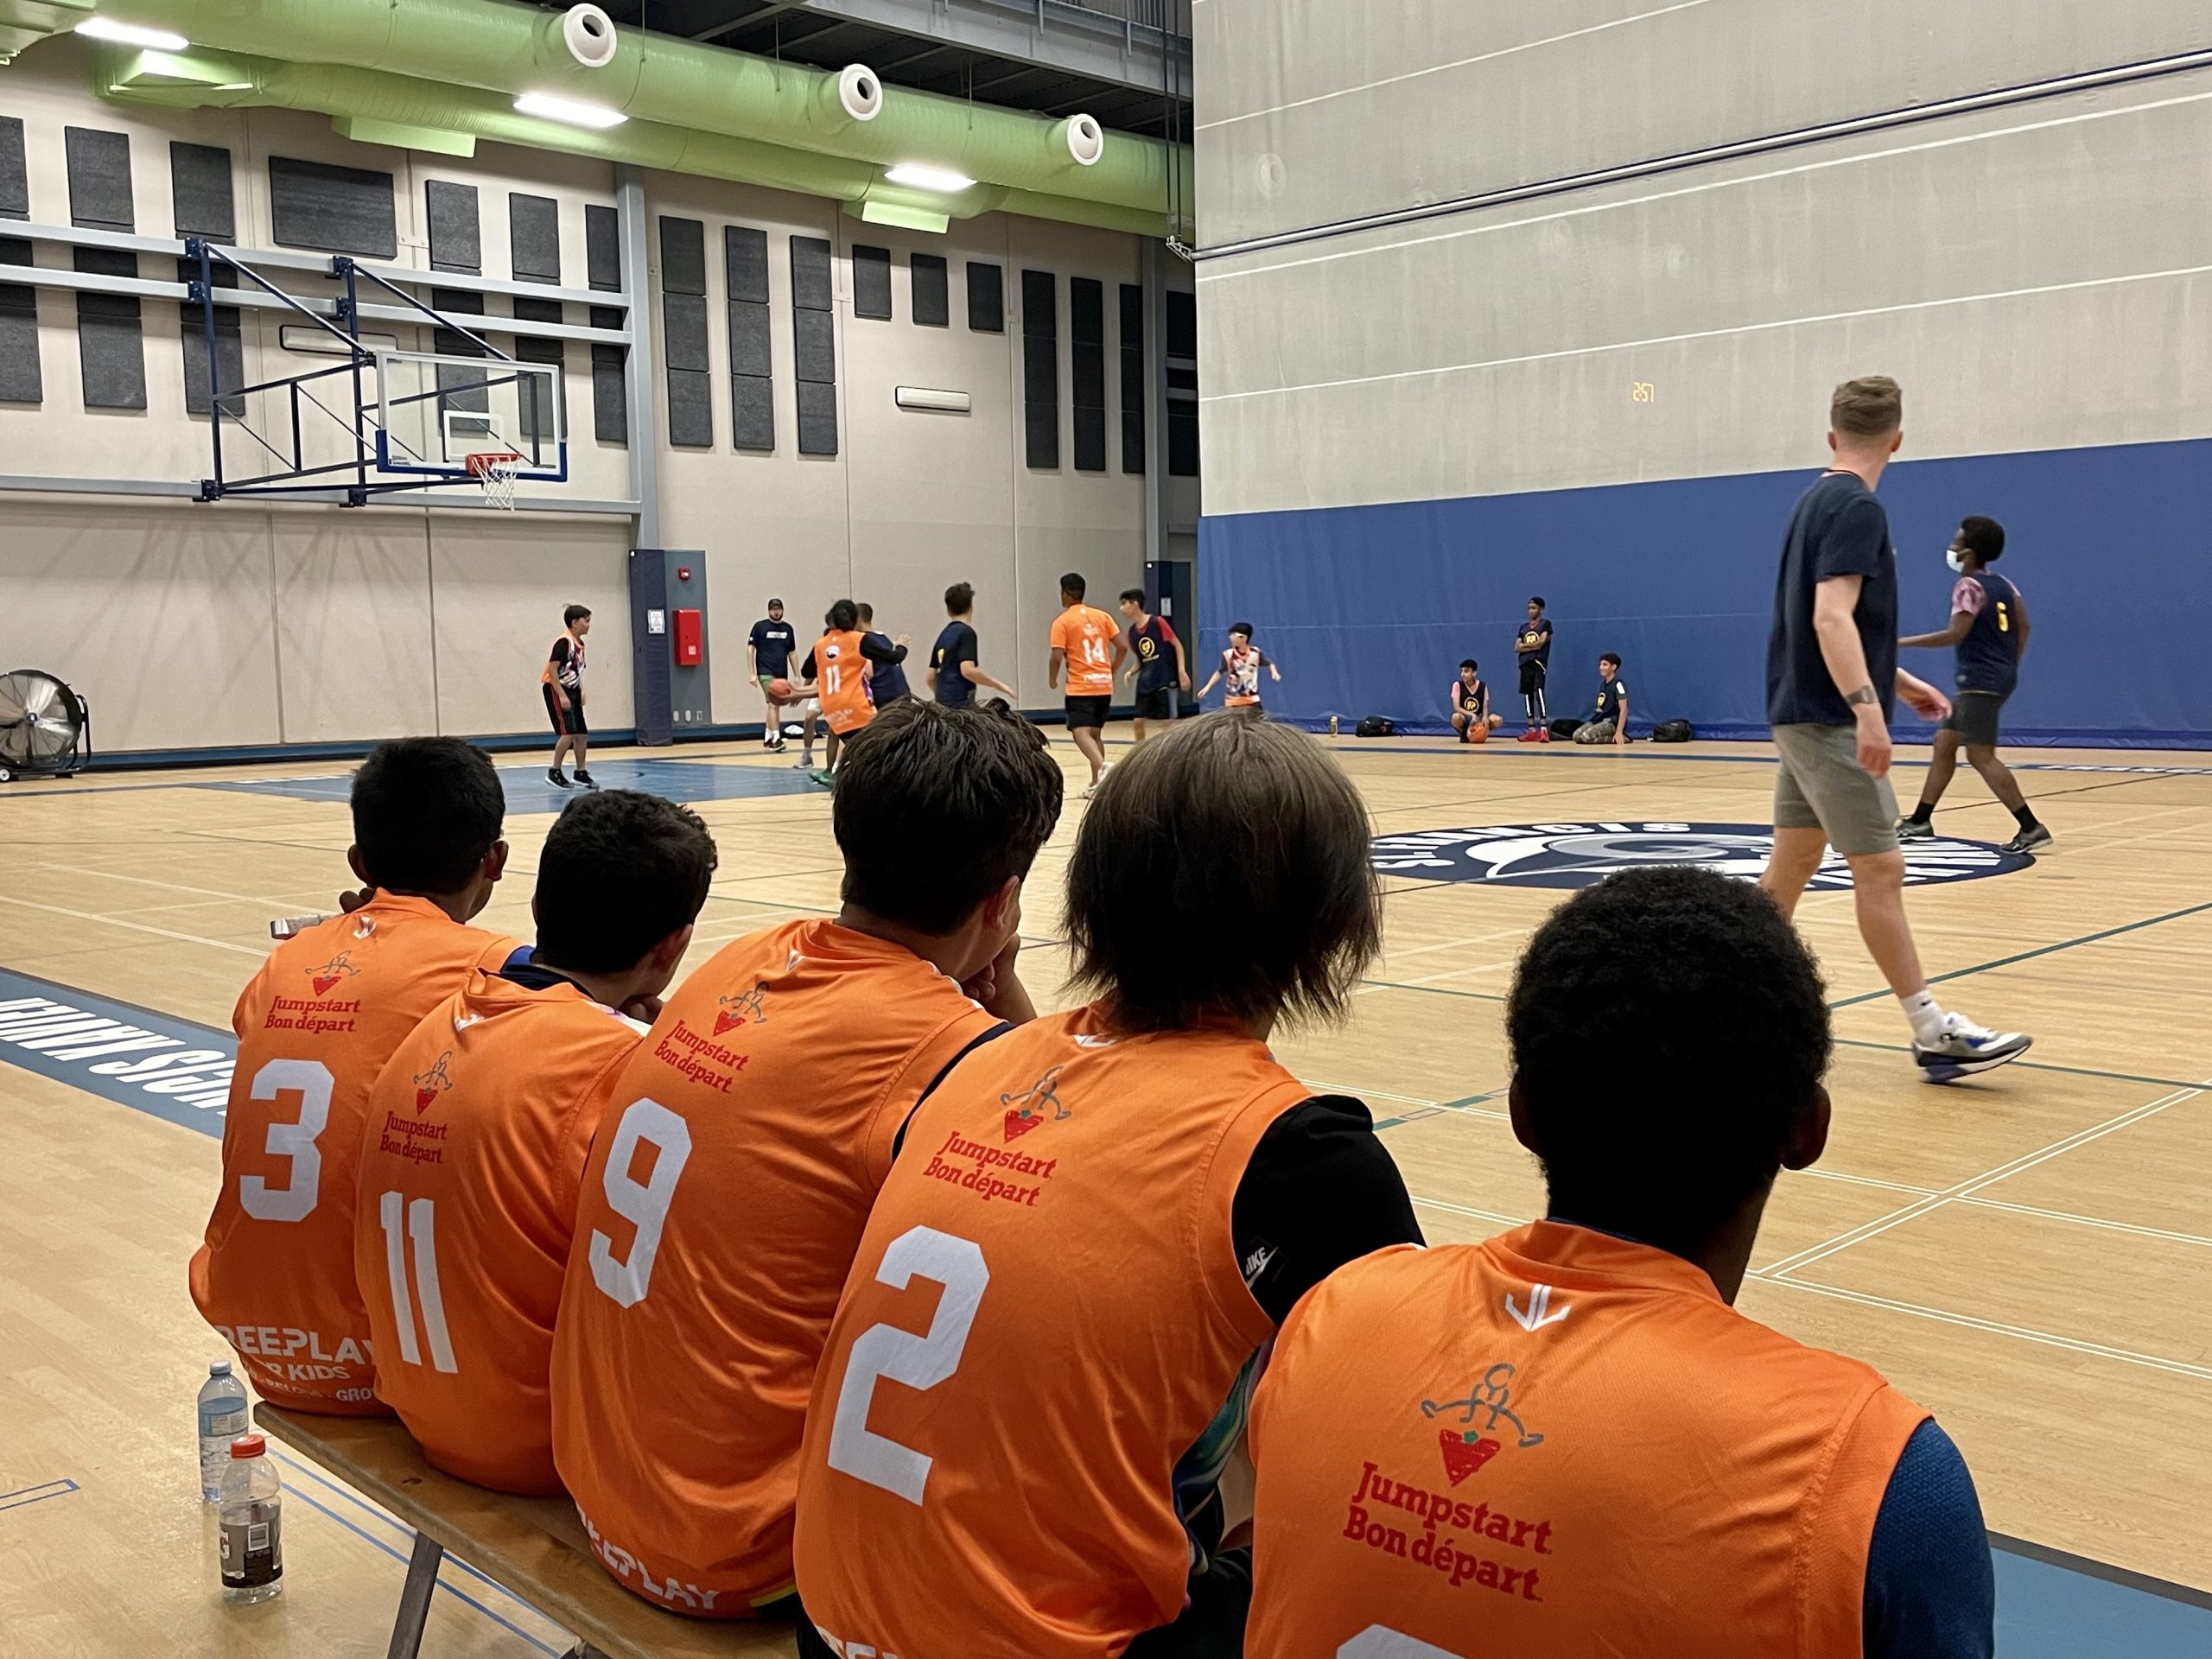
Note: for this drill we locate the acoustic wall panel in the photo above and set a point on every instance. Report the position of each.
(751, 384)
(1182, 384)
(456, 235)
(872, 282)
(1133, 399)
(931, 289)
(610, 408)
(684, 332)
(99, 178)
(986, 298)
(463, 387)
(110, 337)
(602, 248)
(200, 396)
(1040, 368)
(20, 380)
(537, 420)
(1087, 371)
(201, 201)
(334, 209)
(15, 177)
(534, 237)
(814, 340)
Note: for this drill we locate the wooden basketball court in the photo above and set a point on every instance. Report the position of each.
(2030, 1254)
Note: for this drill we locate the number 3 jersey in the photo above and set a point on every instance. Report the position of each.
(732, 1173)
(478, 1129)
(327, 1009)
(1045, 1321)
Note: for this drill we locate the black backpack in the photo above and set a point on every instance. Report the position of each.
(1672, 731)
(1374, 726)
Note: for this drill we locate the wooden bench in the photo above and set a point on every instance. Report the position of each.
(532, 1547)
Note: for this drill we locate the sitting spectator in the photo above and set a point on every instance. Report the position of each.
(1470, 714)
(1608, 723)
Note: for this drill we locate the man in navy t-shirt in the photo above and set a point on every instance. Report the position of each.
(1831, 680)
(954, 670)
(768, 658)
(888, 682)
(1989, 629)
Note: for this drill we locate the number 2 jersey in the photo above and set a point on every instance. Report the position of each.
(732, 1173)
(478, 1129)
(1040, 1363)
(315, 1026)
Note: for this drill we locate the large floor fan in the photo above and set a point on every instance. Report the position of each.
(45, 729)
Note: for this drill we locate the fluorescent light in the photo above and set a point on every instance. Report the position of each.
(153, 40)
(928, 178)
(567, 110)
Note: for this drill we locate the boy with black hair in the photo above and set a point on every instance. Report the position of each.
(839, 671)
(1658, 1473)
(1989, 629)
(955, 670)
(479, 1126)
(276, 1274)
(1532, 645)
(768, 652)
(562, 682)
(1088, 646)
(1608, 722)
(1470, 714)
(888, 683)
(1239, 673)
(1108, 1212)
(1156, 661)
(744, 1142)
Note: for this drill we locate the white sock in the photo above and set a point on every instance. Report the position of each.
(1926, 1014)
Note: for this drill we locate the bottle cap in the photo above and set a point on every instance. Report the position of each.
(219, 1368)
(248, 1446)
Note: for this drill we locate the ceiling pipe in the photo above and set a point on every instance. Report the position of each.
(499, 46)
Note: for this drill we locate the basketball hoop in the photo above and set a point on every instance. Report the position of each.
(497, 471)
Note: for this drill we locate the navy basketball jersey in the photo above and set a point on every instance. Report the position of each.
(1989, 657)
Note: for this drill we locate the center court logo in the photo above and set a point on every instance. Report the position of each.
(1583, 854)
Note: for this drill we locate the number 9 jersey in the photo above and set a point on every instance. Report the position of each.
(276, 1274)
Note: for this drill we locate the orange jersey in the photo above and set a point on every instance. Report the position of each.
(1088, 636)
(478, 1129)
(842, 672)
(1560, 1443)
(733, 1172)
(275, 1276)
(1045, 1315)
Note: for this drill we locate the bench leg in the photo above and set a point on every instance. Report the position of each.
(414, 1598)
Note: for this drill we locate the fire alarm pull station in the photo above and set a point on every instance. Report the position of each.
(689, 650)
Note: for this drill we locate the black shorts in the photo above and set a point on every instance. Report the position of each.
(569, 722)
(1088, 711)
(1532, 675)
(1156, 705)
(1973, 716)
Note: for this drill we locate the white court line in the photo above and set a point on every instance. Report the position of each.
(2023, 1333)
(1367, 1094)
(1864, 1181)
(254, 951)
(2088, 1220)
(1439, 68)
(1968, 1188)
(174, 887)
(1480, 1215)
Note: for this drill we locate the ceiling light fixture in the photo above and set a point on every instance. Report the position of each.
(153, 40)
(928, 178)
(550, 108)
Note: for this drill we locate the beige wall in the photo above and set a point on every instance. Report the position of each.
(247, 623)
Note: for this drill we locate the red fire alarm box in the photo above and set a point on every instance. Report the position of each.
(689, 647)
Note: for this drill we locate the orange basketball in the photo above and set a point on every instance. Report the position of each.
(780, 690)
(1477, 731)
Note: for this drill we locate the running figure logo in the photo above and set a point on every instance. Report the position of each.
(330, 973)
(430, 1084)
(1467, 1448)
(739, 1006)
(1025, 1110)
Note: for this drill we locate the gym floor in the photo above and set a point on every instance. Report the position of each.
(2030, 1254)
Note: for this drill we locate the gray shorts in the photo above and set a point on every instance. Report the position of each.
(1973, 716)
(1596, 731)
(1822, 786)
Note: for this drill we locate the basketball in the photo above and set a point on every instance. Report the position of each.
(779, 690)
(1478, 732)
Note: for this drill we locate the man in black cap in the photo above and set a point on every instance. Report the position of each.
(767, 660)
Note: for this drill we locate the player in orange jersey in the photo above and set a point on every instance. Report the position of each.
(1040, 1362)
(275, 1276)
(478, 1129)
(1566, 1441)
(1087, 644)
(744, 1142)
(840, 667)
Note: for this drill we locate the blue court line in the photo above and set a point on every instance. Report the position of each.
(528, 790)
(29, 1494)
(1901, 763)
(2043, 1065)
(118, 1051)
(314, 1503)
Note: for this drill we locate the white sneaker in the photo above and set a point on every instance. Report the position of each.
(1965, 1048)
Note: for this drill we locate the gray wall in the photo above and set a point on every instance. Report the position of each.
(2032, 273)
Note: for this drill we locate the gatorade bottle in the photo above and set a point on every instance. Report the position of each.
(222, 1420)
(253, 1523)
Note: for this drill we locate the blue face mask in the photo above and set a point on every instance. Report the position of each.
(1956, 560)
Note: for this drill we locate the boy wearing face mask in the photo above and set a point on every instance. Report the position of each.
(1989, 630)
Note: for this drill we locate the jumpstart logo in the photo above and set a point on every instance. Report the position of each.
(1583, 854)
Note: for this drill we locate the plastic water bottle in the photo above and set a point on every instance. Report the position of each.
(253, 1523)
(222, 1420)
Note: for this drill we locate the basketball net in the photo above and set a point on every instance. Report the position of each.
(497, 471)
